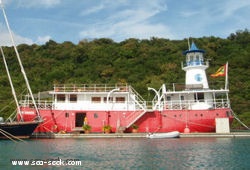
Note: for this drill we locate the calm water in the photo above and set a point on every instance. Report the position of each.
(129, 153)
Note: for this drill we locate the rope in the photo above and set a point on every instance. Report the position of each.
(51, 119)
(7, 105)
(236, 117)
(2, 132)
(10, 136)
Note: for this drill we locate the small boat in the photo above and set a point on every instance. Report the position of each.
(174, 134)
(17, 128)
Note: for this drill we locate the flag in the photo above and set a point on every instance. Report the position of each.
(220, 72)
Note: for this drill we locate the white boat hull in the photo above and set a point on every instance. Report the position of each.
(174, 134)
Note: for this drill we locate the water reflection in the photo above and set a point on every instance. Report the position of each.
(129, 153)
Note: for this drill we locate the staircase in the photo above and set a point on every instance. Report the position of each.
(133, 117)
(140, 109)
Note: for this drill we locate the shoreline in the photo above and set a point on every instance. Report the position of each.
(137, 135)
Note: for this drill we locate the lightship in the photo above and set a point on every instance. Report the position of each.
(191, 107)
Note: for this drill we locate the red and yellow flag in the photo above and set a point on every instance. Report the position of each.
(220, 72)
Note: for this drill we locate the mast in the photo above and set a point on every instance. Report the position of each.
(188, 44)
(11, 84)
(226, 78)
(19, 60)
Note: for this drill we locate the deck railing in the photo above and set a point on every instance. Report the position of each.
(182, 86)
(42, 104)
(89, 87)
(182, 105)
(47, 104)
(141, 103)
(195, 63)
(147, 105)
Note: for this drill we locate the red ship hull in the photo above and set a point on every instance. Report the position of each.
(152, 121)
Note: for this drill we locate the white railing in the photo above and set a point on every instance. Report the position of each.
(195, 63)
(172, 87)
(114, 105)
(188, 104)
(42, 104)
(138, 99)
(89, 87)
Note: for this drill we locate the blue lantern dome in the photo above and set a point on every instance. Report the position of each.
(193, 49)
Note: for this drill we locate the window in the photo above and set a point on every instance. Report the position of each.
(168, 98)
(191, 58)
(199, 97)
(60, 97)
(197, 57)
(72, 97)
(105, 99)
(182, 97)
(191, 62)
(96, 99)
(120, 99)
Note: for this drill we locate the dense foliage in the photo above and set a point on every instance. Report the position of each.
(140, 63)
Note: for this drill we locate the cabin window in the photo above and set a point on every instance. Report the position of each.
(168, 98)
(72, 97)
(60, 98)
(197, 57)
(120, 99)
(191, 61)
(191, 58)
(105, 99)
(182, 97)
(199, 97)
(96, 99)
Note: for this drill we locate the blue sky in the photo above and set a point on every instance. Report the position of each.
(37, 21)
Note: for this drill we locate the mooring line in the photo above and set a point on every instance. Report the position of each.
(10, 136)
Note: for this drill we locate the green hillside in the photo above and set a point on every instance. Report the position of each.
(140, 63)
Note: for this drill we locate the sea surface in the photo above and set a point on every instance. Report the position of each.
(128, 153)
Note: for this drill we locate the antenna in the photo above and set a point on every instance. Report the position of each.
(188, 44)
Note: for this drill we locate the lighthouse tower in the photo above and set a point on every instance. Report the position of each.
(195, 68)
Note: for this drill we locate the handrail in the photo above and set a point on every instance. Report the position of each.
(177, 104)
(177, 87)
(89, 87)
(138, 98)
